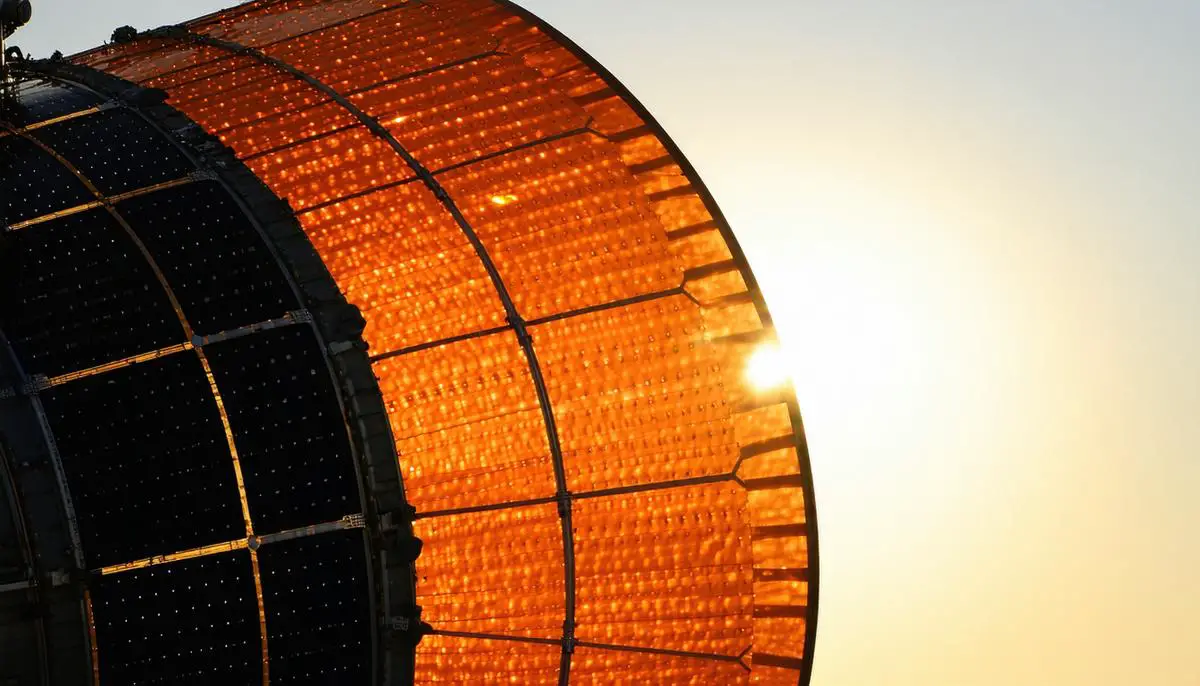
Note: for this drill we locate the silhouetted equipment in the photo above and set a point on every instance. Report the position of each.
(13, 15)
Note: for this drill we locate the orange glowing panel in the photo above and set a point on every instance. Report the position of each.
(325, 170)
(213, 62)
(454, 660)
(406, 265)
(574, 231)
(147, 59)
(638, 394)
(494, 572)
(667, 569)
(245, 96)
(769, 675)
(468, 426)
(483, 106)
(602, 667)
(401, 131)
(390, 46)
(264, 22)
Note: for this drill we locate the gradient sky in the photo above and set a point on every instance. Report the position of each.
(978, 227)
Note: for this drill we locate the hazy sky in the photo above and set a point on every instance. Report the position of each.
(977, 224)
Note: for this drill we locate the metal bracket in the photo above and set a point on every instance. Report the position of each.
(35, 385)
(407, 628)
(202, 175)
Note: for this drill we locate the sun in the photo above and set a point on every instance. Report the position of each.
(766, 369)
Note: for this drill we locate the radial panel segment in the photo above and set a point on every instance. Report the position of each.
(467, 425)
(641, 396)
(668, 569)
(192, 622)
(79, 295)
(315, 590)
(289, 431)
(146, 460)
(598, 667)
(494, 572)
(560, 321)
(175, 366)
(458, 660)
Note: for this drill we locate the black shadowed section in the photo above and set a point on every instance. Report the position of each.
(217, 264)
(76, 293)
(191, 622)
(290, 434)
(146, 460)
(315, 591)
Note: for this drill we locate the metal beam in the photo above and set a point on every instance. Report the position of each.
(65, 500)
(722, 225)
(375, 462)
(251, 543)
(518, 324)
(189, 333)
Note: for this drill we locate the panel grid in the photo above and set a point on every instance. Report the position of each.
(141, 427)
(681, 492)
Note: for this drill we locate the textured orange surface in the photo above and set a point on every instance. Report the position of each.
(487, 578)
(641, 315)
(639, 399)
(467, 423)
(601, 667)
(667, 569)
(454, 660)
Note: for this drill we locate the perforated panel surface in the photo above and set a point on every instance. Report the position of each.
(315, 591)
(38, 100)
(35, 183)
(560, 321)
(77, 294)
(113, 150)
(189, 410)
(290, 434)
(221, 271)
(192, 622)
(146, 460)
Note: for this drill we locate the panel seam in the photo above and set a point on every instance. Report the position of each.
(518, 324)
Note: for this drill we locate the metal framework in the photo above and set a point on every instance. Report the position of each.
(515, 322)
(331, 318)
(655, 451)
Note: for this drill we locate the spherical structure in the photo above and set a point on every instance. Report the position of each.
(385, 342)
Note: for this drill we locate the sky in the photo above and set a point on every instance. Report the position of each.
(976, 225)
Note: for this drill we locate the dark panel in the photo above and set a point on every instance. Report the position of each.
(218, 265)
(315, 591)
(190, 622)
(76, 293)
(116, 150)
(147, 461)
(34, 183)
(290, 434)
(38, 100)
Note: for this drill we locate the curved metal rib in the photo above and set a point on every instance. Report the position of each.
(60, 476)
(372, 465)
(652, 126)
(189, 333)
(518, 324)
(33, 564)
